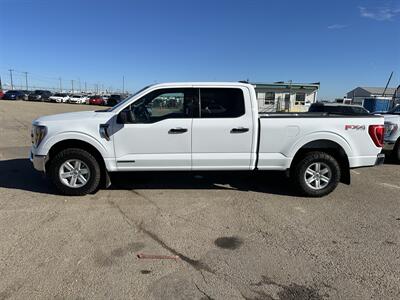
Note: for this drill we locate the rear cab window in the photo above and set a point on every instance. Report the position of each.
(221, 103)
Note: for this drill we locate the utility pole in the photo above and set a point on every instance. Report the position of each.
(60, 84)
(72, 86)
(85, 87)
(80, 87)
(123, 84)
(26, 80)
(387, 84)
(12, 85)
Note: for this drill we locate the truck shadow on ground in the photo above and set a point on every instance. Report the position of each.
(264, 182)
(19, 174)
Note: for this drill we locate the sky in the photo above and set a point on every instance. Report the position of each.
(342, 44)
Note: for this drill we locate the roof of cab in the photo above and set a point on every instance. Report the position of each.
(200, 83)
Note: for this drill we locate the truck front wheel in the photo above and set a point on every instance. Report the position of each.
(75, 172)
(316, 174)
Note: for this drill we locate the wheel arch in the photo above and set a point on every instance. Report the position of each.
(84, 145)
(328, 146)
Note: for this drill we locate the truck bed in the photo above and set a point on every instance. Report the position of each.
(281, 135)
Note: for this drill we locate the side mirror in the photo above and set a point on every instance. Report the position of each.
(125, 117)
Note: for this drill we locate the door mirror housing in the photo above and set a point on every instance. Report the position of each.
(126, 116)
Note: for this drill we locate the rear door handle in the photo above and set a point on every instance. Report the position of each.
(177, 130)
(239, 130)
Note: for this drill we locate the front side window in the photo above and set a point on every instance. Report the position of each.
(163, 104)
(221, 103)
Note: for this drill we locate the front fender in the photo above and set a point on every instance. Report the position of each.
(45, 147)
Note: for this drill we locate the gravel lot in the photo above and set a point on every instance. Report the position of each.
(237, 236)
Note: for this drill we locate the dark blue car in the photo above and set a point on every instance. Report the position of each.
(14, 95)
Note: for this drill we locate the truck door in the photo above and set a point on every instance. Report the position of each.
(222, 134)
(158, 134)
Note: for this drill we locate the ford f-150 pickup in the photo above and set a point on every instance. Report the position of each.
(203, 126)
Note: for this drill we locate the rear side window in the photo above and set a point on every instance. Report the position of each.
(221, 103)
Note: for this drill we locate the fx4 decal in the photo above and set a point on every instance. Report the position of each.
(354, 127)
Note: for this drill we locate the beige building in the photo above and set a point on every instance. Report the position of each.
(286, 96)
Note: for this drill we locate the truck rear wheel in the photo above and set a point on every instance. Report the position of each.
(75, 172)
(316, 174)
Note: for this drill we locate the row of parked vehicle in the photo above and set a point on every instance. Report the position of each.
(47, 96)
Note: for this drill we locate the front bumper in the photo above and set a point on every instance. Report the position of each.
(380, 159)
(39, 162)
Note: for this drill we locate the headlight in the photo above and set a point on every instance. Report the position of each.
(38, 133)
(390, 128)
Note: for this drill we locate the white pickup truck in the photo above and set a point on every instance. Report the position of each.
(203, 126)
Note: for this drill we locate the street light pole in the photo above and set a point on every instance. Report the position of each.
(72, 86)
(123, 84)
(60, 84)
(12, 85)
(26, 80)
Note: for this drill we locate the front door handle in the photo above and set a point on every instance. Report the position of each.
(177, 130)
(239, 130)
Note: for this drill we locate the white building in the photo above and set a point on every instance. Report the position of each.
(286, 96)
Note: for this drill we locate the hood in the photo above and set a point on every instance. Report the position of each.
(73, 116)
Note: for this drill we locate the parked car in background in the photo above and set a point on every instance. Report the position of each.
(14, 95)
(26, 94)
(77, 99)
(182, 133)
(338, 108)
(59, 98)
(114, 100)
(1, 94)
(39, 95)
(105, 98)
(96, 100)
(85, 98)
(392, 131)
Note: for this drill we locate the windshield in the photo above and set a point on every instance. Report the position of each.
(127, 98)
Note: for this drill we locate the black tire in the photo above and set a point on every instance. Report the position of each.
(396, 152)
(298, 174)
(82, 155)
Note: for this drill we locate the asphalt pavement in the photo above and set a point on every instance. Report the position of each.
(220, 236)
